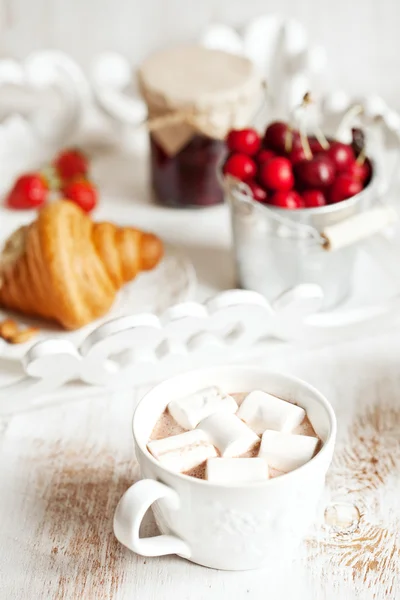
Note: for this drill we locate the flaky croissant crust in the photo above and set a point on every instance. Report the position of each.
(66, 268)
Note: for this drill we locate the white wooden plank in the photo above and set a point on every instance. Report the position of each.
(64, 468)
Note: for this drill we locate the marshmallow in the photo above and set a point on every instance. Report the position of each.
(262, 411)
(189, 411)
(236, 470)
(184, 451)
(229, 434)
(287, 451)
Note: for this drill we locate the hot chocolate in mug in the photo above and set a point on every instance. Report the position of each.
(232, 527)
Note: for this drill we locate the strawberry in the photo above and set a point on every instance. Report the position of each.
(29, 191)
(71, 163)
(82, 192)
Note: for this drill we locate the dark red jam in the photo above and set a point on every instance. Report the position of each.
(188, 178)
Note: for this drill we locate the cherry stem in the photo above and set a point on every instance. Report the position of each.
(321, 138)
(303, 135)
(348, 117)
(289, 139)
(307, 100)
(263, 102)
(305, 143)
(360, 160)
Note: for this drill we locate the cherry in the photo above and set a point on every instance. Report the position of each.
(341, 155)
(264, 155)
(246, 141)
(277, 174)
(362, 171)
(259, 193)
(317, 172)
(358, 140)
(287, 199)
(313, 198)
(315, 145)
(240, 166)
(345, 186)
(297, 155)
(278, 135)
(275, 136)
(296, 142)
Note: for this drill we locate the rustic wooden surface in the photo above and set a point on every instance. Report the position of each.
(64, 467)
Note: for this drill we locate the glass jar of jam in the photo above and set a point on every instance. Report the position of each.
(189, 178)
(194, 97)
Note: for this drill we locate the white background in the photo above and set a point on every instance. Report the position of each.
(362, 37)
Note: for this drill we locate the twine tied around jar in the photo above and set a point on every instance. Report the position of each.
(202, 123)
(192, 117)
(193, 90)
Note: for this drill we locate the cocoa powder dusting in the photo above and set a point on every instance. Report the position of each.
(166, 426)
(80, 500)
(198, 472)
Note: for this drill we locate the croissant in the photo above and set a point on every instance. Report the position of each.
(68, 269)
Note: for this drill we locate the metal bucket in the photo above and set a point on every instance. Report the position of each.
(277, 249)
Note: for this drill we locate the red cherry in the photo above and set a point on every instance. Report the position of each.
(362, 172)
(315, 145)
(240, 166)
(313, 198)
(275, 137)
(246, 141)
(345, 186)
(264, 155)
(277, 174)
(297, 155)
(287, 199)
(317, 172)
(258, 192)
(341, 155)
(296, 142)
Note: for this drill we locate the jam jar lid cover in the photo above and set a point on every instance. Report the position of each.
(193, 90)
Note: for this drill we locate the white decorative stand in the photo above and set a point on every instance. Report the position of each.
(141, 349)
(42, 103)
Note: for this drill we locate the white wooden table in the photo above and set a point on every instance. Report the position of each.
(64, 467)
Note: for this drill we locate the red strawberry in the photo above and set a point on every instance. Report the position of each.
(82, 192)
(29, 191)
(71, 163)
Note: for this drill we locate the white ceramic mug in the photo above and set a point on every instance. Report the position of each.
(222, 526)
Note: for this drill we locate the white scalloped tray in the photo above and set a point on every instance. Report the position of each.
(235, 325)
(173, 281)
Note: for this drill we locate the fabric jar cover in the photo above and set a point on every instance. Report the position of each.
(191, 90)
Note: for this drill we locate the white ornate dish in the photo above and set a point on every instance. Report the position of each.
(173, 281)
(235, 325)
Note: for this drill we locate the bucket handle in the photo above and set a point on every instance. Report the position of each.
(358, 227)
(242, 190)
(308, 230)
(333, 237)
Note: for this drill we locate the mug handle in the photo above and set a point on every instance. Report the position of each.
(130, 512)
